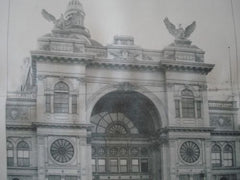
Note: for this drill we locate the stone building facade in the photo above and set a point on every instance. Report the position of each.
(88, 111)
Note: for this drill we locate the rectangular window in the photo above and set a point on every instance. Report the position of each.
(23, 159)
(101, 165)
(123, 165)
(177, 108)
(199, 111)
(184, 177)
(135, 165)
(54, 177)
(113, 165)
(48, 103)
(197, 177)
(70, 177)
(188, 108)
(227, 159)
(216, 159)
(10, 161)
(74, 104)
(93, 165)
(61, 102)
(144, 165)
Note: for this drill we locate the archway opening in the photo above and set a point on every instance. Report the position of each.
(135, 106)
(124, 123)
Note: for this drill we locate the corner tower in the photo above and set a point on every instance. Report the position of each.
(75, 7)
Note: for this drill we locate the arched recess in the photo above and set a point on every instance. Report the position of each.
(125, 119)
(131, 108)
(158, 104)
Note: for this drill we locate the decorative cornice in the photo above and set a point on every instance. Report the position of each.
(60, 57)
(189, 129)
(183, 66)
(20, 127)
(62, 125)
(36, 125)
(222, 105)
(20, 169)
(225, 133)
(126, 64)
(92, 61)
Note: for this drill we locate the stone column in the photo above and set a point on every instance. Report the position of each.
(81, 104)
(208, 159)
(237, 157)
(170, 104)
(85, 159)
(41, 157)
(172, 158)
(157, 162)
(165, 162)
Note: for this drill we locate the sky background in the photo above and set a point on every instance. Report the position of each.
(142, 19)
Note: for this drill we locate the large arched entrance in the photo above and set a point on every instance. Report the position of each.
(124, 124)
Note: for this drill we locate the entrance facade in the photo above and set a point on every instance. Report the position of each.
(87, 111)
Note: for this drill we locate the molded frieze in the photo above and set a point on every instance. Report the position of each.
(221, 121)
(15, 113)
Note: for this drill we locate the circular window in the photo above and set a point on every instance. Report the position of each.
(189, 152)
(62, 150)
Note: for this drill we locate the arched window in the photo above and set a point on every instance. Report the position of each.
(188, 105)
(23, 157)
(216, 156)
(10, 157)
(61, 98)
(228, 156)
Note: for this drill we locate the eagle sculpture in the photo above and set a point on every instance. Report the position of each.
(179, 33)
(59, 23)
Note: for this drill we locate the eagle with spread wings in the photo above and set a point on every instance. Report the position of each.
(180, 33)
(59, 23)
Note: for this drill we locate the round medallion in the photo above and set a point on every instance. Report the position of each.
(189, 152)
(101, 151)
(134, 151)
(113, 151)
(62, 151)
(123, 151)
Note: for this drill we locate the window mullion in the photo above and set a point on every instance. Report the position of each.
(70, 103)
(180, 106)
(195, 109)
(52, 102)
